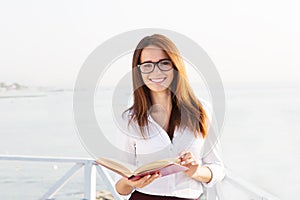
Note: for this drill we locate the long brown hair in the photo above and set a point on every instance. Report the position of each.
(187, 110)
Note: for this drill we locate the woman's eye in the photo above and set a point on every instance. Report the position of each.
(147, 65)
(165, 63)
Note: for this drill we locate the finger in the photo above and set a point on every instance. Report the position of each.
(187, 157)
(151, 179)
(184, 153)
(140, 182)
(188, 161)
(145, 178)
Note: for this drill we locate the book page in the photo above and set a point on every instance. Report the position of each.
(116, 166)
(156, 165)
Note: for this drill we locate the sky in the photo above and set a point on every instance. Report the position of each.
(44, 43)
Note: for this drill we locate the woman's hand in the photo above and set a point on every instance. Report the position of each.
(187, 159)
(125, 186)
(144, 181)
(195, 171)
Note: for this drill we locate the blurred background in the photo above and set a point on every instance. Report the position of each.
(253, 44)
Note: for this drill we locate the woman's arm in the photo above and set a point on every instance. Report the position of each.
(212, 169)
(123, 188)
(203, 174)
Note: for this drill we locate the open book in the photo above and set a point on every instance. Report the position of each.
(165, 167)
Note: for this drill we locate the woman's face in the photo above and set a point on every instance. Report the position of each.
(157, 80)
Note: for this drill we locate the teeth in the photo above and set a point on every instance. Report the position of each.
(157, 80)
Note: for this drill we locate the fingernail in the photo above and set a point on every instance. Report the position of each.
(183, 162)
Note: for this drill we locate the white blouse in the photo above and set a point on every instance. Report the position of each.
(157, 145)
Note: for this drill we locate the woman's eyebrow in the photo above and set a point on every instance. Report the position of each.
(149, 61)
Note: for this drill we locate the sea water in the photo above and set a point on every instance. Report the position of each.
(260, 139)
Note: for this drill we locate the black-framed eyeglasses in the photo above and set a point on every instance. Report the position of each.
(163, 65)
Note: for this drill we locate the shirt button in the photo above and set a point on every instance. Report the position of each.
(171, 148)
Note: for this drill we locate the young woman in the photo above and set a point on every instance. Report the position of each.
(169, 119)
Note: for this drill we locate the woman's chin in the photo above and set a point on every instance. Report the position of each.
(158, 88)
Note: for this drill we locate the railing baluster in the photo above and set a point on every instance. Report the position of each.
(61, 182)
(89, 181)
(108, 180)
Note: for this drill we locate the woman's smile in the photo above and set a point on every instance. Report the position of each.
(158, 80)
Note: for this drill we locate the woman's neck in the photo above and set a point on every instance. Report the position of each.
(162, 99)
(161, 108)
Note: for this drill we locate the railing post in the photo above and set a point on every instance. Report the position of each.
(89, 181)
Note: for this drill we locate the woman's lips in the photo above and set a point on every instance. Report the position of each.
(157, 80)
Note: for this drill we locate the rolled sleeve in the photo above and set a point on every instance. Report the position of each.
(215, 164)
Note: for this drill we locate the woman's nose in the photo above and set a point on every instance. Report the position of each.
(156, 68)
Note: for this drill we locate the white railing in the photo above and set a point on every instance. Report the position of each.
(232, 187)
(90, 168)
